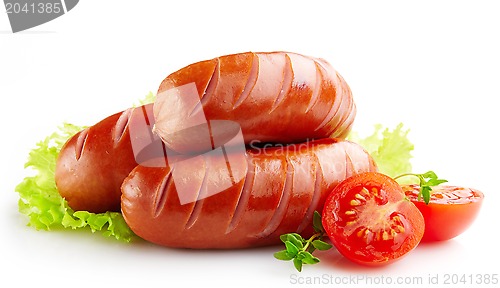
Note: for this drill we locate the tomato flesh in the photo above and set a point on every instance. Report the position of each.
(369, 220)
(451, 210)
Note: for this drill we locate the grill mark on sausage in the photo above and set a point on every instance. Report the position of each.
(161, 195)
(315, 198)
(198, 205)
(195, 214)
(210, 135)
(345, 128)
(147, 117)
(349, 166)
(120, 126)
(228, 164)
(317, 88)
(80, 143)
(251, 81)
(281, 210)
(286, 83)
(321, 62)
(349, 118)
(244, 197)
(344, 92)
(337, 104)
(209, 90)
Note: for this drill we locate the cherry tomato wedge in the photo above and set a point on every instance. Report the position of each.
(369, 220)
(451, 210)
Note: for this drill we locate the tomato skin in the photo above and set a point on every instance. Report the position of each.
(395, 226)
(450, 212)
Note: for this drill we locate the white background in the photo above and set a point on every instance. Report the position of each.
(433, 65)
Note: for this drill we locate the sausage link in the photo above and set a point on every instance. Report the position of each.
(276, 97)
(274, 191)
(92, 165)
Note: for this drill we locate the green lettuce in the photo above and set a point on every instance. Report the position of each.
(391, 149)
(41, 202)
(149, 98)
(46, 209)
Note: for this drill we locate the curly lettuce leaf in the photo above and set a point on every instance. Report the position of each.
(391, 149)
(46, 209)
(149, 98)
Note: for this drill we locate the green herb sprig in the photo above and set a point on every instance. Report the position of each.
(426, 181)
(300, 250)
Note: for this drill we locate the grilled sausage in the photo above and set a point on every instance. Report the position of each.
(263, 193)
(92, 164)
(275, 97)
(197, 186)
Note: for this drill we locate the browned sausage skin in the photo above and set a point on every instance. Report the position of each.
(281, 188)
(187, 194)
(91, 165)
(275, 97)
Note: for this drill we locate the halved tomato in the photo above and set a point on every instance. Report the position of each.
(451, 210)
(370, 221)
